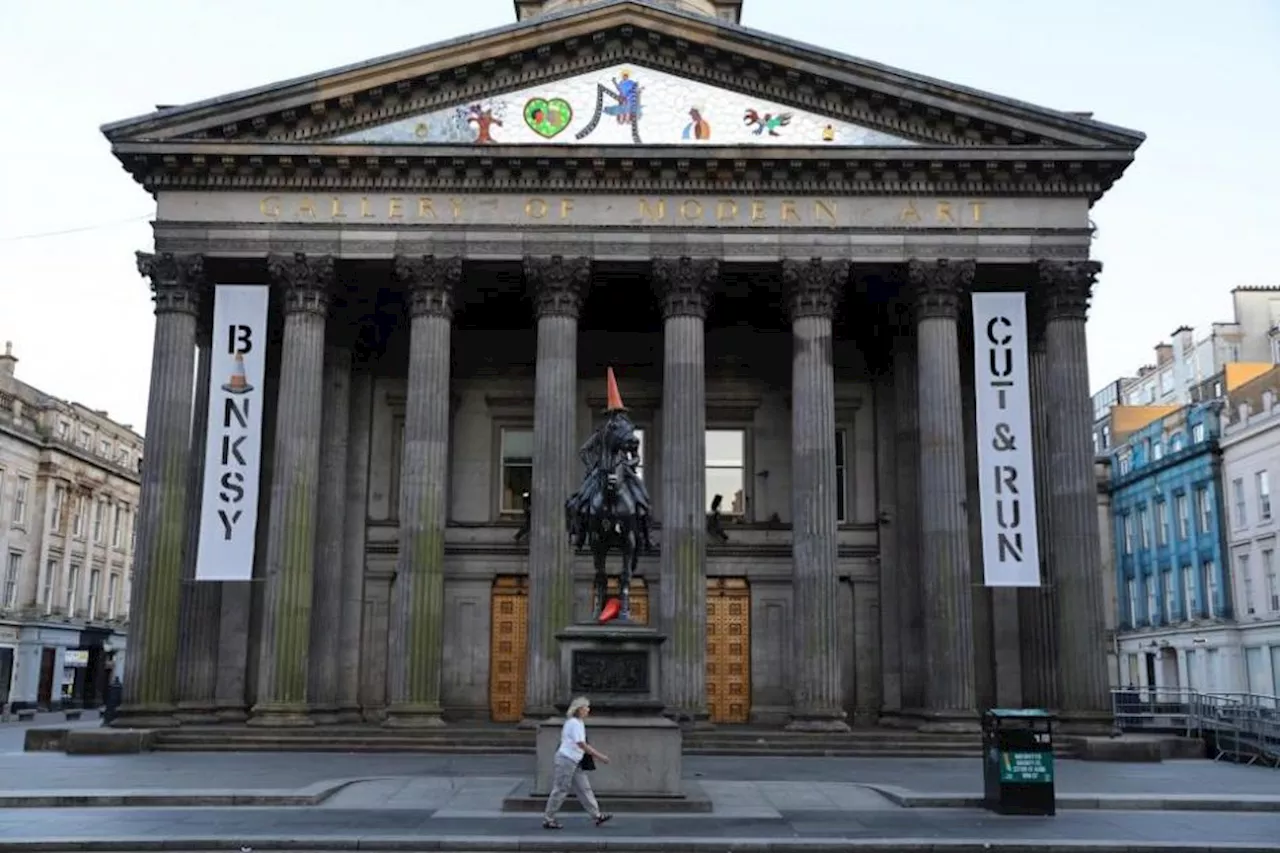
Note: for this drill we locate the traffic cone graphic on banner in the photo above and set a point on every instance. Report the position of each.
(613, 400)
(238, 384)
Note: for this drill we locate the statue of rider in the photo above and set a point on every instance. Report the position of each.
(613, 449)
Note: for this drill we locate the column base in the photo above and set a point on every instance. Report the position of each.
(349, 715)
(408, 716)
(533, 719)
(899, 719)
(231, 713)
(950, 722)
(325, 715)
(280, 716)
(697, 720)
(196, 713)
(1085, 723)
(144, 717)
(817, 721)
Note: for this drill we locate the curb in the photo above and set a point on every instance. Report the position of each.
(1093, 802)
(311, 795)
(648, 844)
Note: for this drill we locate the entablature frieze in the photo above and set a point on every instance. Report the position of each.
(320, 168)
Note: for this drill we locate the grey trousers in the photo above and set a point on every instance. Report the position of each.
(567, 775)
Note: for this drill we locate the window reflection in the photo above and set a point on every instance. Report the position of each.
(640, 453)
(517, 469)
(726, 470)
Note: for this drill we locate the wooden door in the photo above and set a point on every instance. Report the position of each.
(508, 640)
(728, 650)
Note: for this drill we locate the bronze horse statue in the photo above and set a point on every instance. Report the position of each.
(612, 508)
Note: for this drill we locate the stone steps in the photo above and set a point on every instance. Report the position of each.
(728, 741)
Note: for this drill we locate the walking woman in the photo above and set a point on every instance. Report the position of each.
(569, 773)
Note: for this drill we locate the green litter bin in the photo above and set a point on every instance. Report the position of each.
(1017, 761)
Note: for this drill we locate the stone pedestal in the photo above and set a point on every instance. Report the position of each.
(616, 666)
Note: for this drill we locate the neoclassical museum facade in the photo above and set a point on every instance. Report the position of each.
(774, 247)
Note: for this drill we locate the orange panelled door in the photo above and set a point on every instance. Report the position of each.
(728, 650)
(508, 640)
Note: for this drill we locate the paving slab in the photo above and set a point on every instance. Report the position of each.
(367, 829)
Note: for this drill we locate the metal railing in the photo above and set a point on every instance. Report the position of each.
(1241, 727)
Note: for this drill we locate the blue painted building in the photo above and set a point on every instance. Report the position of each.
(1172, 576)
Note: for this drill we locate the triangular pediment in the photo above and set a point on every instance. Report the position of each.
(624, 104)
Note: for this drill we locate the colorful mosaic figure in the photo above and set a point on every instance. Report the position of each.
(768, 123)
(547, 117)
(626, 109)
(483, 119)
(698, 127)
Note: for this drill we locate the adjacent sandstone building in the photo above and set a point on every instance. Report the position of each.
(774, 246)
(68, 497)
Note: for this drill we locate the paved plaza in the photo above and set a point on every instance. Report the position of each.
(169, 801)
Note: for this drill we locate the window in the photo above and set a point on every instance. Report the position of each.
(73, 584)
(1131, 593)
(1205, 508)
(640, 453)
(1162, 523)
(95, 581)
(99, 520)
(63, 429)
(1246, 580)
(1166, 381)
(1262, 481)
(1144, 532)
(104, 448)
(1210, 588)
(117, 527)
(1128, 533)
(1175, 442)
(1197, 432)
(1170, 598)
(59, 498)
(1157, 451)
(1183, 511)
(727, 469)
(1269, 575)
(20, 501)
(842, 480)
(46, 593)
(113, 594)
(517, 469)
(1190, 605)
(133, 536)
(1125, 463)
(1153, 601)
(1237, 494)
(11, 579)
(86, 439)
(77, 519)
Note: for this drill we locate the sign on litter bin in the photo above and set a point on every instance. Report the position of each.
(1026, 768)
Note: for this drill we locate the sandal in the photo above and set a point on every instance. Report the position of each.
(552, 824)
(603, 817)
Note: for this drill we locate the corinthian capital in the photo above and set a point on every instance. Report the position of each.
(431, 281)
(1066, 287)
(305, 280)
(684, 285)
(938, 286)
(176, 280)
(559, 284)
(814, 286)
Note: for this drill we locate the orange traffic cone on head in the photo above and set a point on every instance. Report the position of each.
(613, 400)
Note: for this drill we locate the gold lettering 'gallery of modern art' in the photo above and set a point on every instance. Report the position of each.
(770, 212)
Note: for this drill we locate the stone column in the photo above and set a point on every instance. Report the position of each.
(949, 686)
(1036, 620)
(295, 476)
(415, 651)
(1073, 498)
(326, 594)
(357, 517)
(559, 285)
(910, 609)
(684, 285)
(150, 688)
(813, 287)
(201, 601)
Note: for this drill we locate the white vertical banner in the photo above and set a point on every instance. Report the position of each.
(233, 449)
(1006, 472)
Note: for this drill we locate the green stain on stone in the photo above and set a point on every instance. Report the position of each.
(293, 607)
(688, 574)
(163, 583)
(427, 610)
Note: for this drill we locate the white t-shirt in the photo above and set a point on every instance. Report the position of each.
(572, 734)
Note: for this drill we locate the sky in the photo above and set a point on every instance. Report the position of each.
(1192, 218)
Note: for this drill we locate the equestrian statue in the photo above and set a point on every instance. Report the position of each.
(612, 509)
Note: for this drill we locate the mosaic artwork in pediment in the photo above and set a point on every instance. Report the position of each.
(623, 105)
